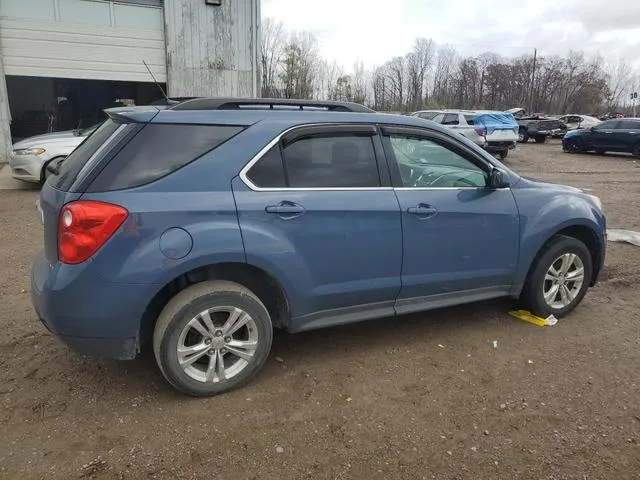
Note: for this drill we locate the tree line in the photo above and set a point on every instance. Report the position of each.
(437, 76)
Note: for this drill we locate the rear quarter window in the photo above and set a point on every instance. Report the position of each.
(73, 164)
(158, 150)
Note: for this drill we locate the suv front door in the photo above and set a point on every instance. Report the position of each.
(460, 237)
(317, 209)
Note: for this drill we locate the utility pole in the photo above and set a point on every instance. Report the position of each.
(533, 79)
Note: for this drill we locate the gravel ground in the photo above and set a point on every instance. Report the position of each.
(423, 396)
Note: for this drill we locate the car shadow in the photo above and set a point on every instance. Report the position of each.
(313, 349)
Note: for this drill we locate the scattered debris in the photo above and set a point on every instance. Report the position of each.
(627, 236)
(529, 362)
(440, 345)
(279, 450)
(449, 452)
(495, 344)
(485, 433)
(503, 406)
(474, 449)
(280, 359)
(531, 318)
(88, 470)
(349, 399)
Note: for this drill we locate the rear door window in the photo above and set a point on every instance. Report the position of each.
(629, 125)
(321, 161)
(158, 150)
(71, 166)
(451, 119)
(469, 119)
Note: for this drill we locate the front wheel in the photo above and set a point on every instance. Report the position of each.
(559, 277)
(541, 139)
(212, 337)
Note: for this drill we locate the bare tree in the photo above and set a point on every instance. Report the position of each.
(300, 64)
(619, 75)
(271, 50)
(442, 74)
(418, 64)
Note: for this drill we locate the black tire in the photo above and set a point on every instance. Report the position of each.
(523, 136)
(188, 304)
(600, 152)
(636, 150)
(532, 296)
(503, 154)
(541, 139)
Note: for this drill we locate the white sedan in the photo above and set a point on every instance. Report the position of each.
(573, 122)
(31, 156)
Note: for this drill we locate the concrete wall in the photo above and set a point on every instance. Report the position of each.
(5, 117)
(212, 50)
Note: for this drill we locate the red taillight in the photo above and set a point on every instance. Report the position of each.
(480, 131)
(85, 226)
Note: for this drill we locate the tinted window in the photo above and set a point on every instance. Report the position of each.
(629, 125)
(427, 115)
(608, 125)
(451, 119)
(72, 165)
(268, 172)
(331, 161)
(158, 150)
(425, 163)
(438, 118)
(469, 119)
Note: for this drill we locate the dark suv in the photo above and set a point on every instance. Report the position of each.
(200, 228)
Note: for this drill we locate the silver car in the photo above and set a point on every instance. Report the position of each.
(459, 120)
(31, 156)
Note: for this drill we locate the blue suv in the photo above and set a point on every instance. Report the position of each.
(200, 228)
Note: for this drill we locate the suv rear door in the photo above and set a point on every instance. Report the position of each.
(316, 208)
(460, 237)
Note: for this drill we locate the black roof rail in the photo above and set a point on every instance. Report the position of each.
(270, 103)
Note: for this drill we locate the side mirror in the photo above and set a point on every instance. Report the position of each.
(498, 179)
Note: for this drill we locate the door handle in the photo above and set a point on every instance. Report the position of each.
(422, 210)
(286, 209)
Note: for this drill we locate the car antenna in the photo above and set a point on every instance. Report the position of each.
(157, 84)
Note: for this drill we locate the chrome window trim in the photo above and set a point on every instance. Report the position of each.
(258, 156)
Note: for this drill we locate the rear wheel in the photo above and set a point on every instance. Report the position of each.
(636, 150)
(212, 337)
(600, 152)
(559, 277)
(541, 139)
(503, 154)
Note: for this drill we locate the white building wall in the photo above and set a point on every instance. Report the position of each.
(86, 39)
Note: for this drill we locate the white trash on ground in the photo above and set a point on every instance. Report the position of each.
(628, 236)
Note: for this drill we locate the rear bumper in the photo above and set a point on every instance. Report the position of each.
(92, 316)
(499, 146)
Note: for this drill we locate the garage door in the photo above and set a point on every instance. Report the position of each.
(88, 39)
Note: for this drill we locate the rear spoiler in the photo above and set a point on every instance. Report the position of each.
(143, 114)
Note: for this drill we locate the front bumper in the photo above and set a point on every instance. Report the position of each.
(91, 315)
(27, 168)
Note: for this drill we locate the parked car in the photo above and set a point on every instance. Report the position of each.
(574, 122)
(500, 131)
(30, 156)
(496, 132)
(537, 126)
(200, 229)
(619, 135)
(459, 121)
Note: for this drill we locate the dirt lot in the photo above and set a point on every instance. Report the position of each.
(424, 396)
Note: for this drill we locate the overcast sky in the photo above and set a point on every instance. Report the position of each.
(373, 31)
